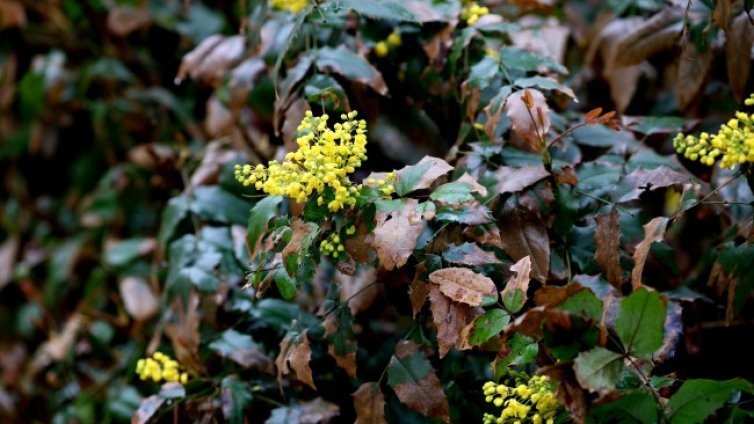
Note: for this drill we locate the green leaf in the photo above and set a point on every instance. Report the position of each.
(215, 204)
(192, 262)
(585, 303)
(235, 395)
(489, 325)
(261, 213)
(407, 369)
(698, 399)
(514, 300)
(524, 60)
(231, 341)
(640, 321)
(384, 9)
(410, 177)
(544, 83)
(343, 61)
(636, 407)
(598, 368)
(285, 283)
(453, 193)
(122, 252)
(172, 216)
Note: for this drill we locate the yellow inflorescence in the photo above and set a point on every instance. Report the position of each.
(293, 6)
(160, 367)
(531, 402)
(733, 144)
(472, 12)
(319, 167)
(393, 41)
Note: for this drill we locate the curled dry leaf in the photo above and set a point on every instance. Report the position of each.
(465, 286)
(520, 278)
(529, 116)
(58, 346)
(654, 231)
(738, 46)
(513, 180)
(396, 233)
(693, 70)
(138, 299)
(524, 234)
(607, 241)
(209, 61)
(123, 20)
(369, 403)
(449, 318)
(651, 179)
(646, 38)
(415, 383)
(296, 351)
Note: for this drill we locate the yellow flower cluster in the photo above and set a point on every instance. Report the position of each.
(472, 12)
(382, 48)
(532, 402)
(160, 367)
(293, 6)
(319, 167)
(385, 185)
(333, 246)
(733, 144)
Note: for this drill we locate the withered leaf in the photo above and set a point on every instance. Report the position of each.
(345, 360)
(415, 383)
(470, 254)
(607, 254)
(420, 176)
(475, 186)
(530, 323)
(525, 234)
(721, 13)
(513, 180)
(209, 61)
(555, 295)
(147, 408)
(123, 20)
(465, 286)
(419, 290)
(530, 125)
(394, 238)
(359, 289)
(519, 282)
(738, 45)
(484, 235)
(569, 392)
(693, 70)
(297, 355)
(449, 318)
(138, 299)
(654, 231)
(369, 403)
(184, 333)
(649, 37)
(300, 231)
(651, 179)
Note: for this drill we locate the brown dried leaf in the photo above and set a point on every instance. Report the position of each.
(524, 119)
(721, 13)
(547, 37)
(298, 356)
(217, 155)
(449, 318)
(299, 231)
(475, 256)
(8, 252)
(525, 234)
(396, 233)
(520, 279)
(530, 323)
(738, 46)
(693, 71)
(440, 43)
(123, 20)
(489, 236)
(555, 295)
(607, 254)
(475, 186)
(346, 361)
(435, 167)
(567, 176)
(12, 14)
(654, 231)
(355, 287)
(209, 61)
(651, 179)
(369, 403)
(513, 180)
(138, 299)
(649, 37)
(569, 392)
(426, 394)
(464, 285)
(418, 290)
(184, 334)
(58, 346)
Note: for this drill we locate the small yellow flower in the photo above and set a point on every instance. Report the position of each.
(160, 367)
(381, 49)
(394, 39)
(293, 6)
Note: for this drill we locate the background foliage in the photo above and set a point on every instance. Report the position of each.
(625, 270)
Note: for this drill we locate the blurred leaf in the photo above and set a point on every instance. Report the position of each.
(369, 403)
(261, 213)
(344, 62)
(518, 59)
(120, 253)
(607, 241)
(449, 318)
(598, 369)
(452, 193)
(235, 395)
(215, 204)
(514, 294)
(698, 399)
(469, 254)
(421, 175)
(654, 232)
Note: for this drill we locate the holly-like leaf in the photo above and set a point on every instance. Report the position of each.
(489, 325)
(369, 403)
(698, 399)
(395, 236)
(420, 176)
(654, 231)
(640, 322)
(261, 213)
(453, 193)
(235, 395)
(513, 180)
(296, 352)
(607, 240)
(415, 383)
(343, 61)
(469, 254)
(598, 369)
(465, 286)
(524, 234)
(514, 294)
(637, 406)
(449, 318)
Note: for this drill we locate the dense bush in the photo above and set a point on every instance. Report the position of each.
(402, 211)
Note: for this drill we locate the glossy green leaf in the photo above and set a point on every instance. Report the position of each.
(489, 325)
(598, 369)
(698, 399)
(639, 323)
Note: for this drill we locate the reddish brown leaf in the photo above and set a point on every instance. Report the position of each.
(738, 46)
(369, 403)
(525, 234)
(654, 231)
(425, 394)
(300, 230)
(483, 235)
(346, 361)
(184, 333)
(209, 61)
(555, 295)
(607, 240)
(123, 20)
(464, 285)
(419, 290)
(567, 176)
(513, 180)
(12, 14)
(530, 323)
(473, 255)
(297, 355)
(521, 110)
(449, 318)
(721, 13)
(394, 238)
(592, 114)
(693, 70)
(520, 278)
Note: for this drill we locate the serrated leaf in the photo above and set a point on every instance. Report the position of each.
(640, 322)
(698, 399)
(449, 318)
(453, 193)
(261, 213)
(465, 286)
(420, 176)
(415, 383)
(369, 403)
(598, 369)
(489, 325)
